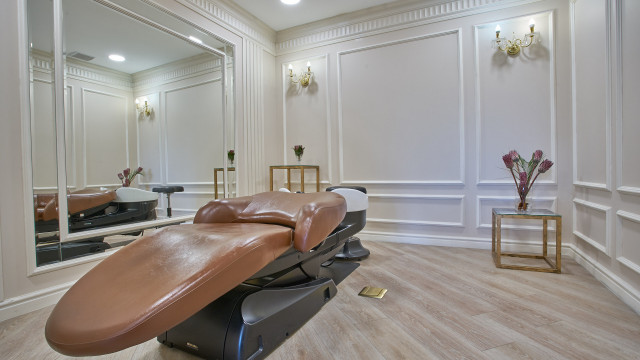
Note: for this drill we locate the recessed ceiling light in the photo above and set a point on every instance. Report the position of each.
(195, 39)
(290, 2)
(114, 57)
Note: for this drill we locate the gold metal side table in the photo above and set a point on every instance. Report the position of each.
(215, 179)
(535, 214)
(302, 168)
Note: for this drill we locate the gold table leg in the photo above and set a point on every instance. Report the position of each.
(302, 179)
(318, 179)
(289, 179)
(215, 183)
(270, 179)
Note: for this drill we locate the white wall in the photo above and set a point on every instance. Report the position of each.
(606, 179)
(418, 107)
(182, 141)
(415, 105)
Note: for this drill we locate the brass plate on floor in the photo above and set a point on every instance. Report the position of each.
(373, 292)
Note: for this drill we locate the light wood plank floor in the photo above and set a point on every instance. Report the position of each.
(442, 303)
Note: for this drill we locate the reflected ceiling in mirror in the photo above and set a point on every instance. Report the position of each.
(143, 47)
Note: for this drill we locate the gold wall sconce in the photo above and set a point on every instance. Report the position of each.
(305, 77)
(145, 109)
(512, 47)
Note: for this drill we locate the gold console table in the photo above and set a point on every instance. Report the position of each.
(215, 179)
(496, 236)
(302, 168)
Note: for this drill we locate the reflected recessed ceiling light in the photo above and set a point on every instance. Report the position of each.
(290, 2)
(195, 39)
(114, 57)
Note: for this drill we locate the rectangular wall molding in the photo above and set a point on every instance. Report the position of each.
(458, 179)
(482, 46)
(620, 250)
(606, 70)
(399, 198)
(606, 210)
(550, 203)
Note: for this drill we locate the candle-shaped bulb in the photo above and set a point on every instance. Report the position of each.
(497, 31)
(532, 25)
(137, 102)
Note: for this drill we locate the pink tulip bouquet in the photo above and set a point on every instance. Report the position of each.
(523, 172)
(127, 176)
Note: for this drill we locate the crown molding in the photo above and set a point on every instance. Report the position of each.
(226, 13)
(193, 66)
(382, 18)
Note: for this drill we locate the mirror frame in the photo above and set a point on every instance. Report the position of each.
(59, 113)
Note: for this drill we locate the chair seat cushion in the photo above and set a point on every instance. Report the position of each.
(158, 281)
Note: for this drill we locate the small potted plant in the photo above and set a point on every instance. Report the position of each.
(231, 155)
(298, 150)
(127, 176)
(523, 171)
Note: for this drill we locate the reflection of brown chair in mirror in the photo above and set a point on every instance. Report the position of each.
(87, 209)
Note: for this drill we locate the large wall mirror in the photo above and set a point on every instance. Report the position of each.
(118, 87)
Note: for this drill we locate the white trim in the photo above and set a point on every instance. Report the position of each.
(608, 107)
(459, 224)
(617, 53)
(552, 100)
(606, 248)
(33, 301)
(622, 289)
(165, 134)
(513, 199)
(285, 86)
(125, 105)
(119, 229)
(461, 113)
(223, 16)
(619, 248)
(368, 23)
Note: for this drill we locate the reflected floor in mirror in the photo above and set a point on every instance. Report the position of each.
(442, 303)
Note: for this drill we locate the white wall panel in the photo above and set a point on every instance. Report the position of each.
(149, 143)
(629, 87)
(591, 223)
(43, 136)
(485, 204)
(194, 133)
(435, 210)
(628, 246)
(515, 101)
(306, 116)
(106, 149)
(591, 90)
(411, 112)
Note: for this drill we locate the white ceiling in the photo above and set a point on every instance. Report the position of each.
(280, 16)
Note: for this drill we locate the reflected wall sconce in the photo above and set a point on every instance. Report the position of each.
(304, 79)
(145, 109)
(512, 47)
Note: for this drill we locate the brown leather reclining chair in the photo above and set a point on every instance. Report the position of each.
(259, 257)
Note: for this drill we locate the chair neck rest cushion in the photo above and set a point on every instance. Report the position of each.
(312, 216)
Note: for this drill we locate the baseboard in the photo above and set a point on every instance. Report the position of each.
(420, 239)
(36, 300)
(613, 282)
